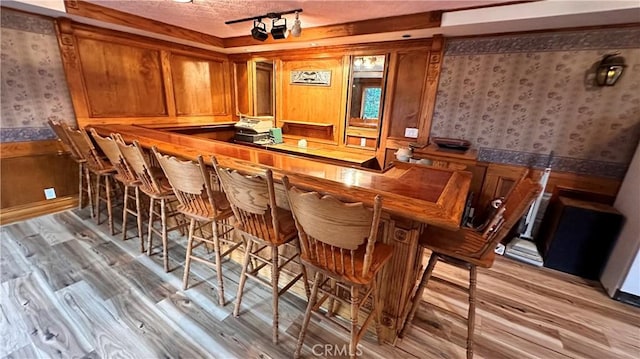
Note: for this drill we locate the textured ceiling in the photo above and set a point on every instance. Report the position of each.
(208, 16)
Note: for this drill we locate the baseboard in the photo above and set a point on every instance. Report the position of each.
(26, 211)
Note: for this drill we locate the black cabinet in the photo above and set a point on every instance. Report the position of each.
(577, 236)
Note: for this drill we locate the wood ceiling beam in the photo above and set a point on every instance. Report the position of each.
(101, 13)
(424, 20)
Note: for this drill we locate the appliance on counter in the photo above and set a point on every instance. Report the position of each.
(254, 129)
(621, 275)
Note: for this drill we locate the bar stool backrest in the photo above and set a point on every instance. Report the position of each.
(333, 233)
(252, 199)
(191, 184)
(513, 208)
(134, 156)
(58, 129)
(111, 150)
(84, 148)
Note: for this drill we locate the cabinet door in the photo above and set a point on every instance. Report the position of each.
(409, 71)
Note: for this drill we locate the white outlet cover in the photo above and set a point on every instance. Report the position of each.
(363, 142)
(49, 193)
(411, 132)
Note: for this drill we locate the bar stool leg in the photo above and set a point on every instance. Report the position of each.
(307, 314)
(377, 310)
(216, 246)
(417, 297)
(107, 185)
(97, 199)
(125, 204)
(81, 188)
(243, 276)
(139, 218)
(187, 261)
(165, 241)
(471, 318)
(275, 275)
(150, 233)
(331, 303)
(305, 277)
(355, 305)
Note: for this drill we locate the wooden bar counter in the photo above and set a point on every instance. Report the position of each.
(413, 195)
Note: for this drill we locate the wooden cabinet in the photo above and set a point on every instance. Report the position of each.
(411, 92)
(243, 97)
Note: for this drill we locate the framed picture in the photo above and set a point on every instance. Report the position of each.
(311, 77)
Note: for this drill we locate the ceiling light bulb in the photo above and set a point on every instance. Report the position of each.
(296, 30)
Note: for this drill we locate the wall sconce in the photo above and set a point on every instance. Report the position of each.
(609, 70)
(259, 30)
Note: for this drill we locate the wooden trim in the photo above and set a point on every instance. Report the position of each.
(19, 213)
(320, 52)
(167, 81)
(564, 29)
(155, 120)
(429, 94)
(101, 13)
(30, 148)
(121, 37)
(424, 20)
(72, 67)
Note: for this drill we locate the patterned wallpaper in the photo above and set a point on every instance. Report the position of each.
(34, 88)
(519, 97)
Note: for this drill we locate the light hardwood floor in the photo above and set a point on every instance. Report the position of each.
(68, 289)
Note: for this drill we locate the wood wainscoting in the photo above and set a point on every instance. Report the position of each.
(27, 169)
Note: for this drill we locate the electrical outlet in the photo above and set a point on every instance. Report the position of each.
(411, 132)
(49, 193)
(363, 142)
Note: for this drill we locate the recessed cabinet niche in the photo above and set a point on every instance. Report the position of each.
(311, 98)
(365, 99)
(255, 87)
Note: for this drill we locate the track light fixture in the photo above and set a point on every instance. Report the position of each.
(279, 31)
(278, 25)
(259, 32)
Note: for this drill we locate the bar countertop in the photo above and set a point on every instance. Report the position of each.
(430, 195)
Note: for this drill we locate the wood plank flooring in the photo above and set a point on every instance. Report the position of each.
(68, 289)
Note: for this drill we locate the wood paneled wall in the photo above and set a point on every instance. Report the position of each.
(27, 169)
(313, 104)
(115, 77)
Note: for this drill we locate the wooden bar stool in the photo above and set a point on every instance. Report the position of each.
(264, 226)
(339, 242)
(155, 185)
(468, 249)
(101, 169)
(84, 186)
(192, 184)
(124, 175)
